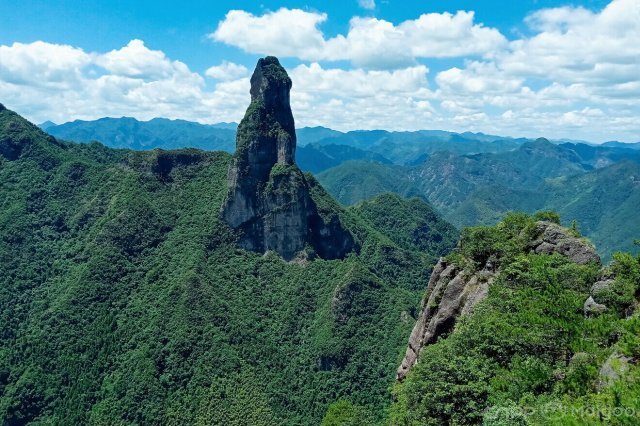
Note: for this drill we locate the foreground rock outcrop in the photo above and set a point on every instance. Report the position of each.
(454, 291)
(269, 198)
(451, 292)
(555, 239)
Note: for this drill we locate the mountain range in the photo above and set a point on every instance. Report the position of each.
(472, 178)
(594, 185)
(126, 296)
(187, 286)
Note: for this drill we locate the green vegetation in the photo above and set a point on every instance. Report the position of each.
(272, 69)
(527, 354)
(124, 299)
(410, 223)
(356, 181)
(480, 189)
(127, 132)
(472, 179)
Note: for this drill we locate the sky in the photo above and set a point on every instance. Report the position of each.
(529, 68)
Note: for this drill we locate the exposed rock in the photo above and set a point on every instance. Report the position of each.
(611, 370)
(451, 292)
(601, 286)
(555, 239)
(594, 305)
(592, 308)
(269, 198)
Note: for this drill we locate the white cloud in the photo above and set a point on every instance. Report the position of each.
(370, 42)
(137, 61)
(577, 75)
(578, 46)
(361, 99)
(227, 71)
(42, 64)
(54, 82)
(575, 63)
(367, 4)
(285, 32)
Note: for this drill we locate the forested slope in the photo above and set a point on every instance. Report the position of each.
(124, 298)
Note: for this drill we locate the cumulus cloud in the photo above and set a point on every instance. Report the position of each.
(584, 64)
(286, 32)
(137, 61)
(576, 75)
(48, 81)
(42, 64)
(370, 42)
(227, 71)
(349, 99)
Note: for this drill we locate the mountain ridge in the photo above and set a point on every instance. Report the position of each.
(138, 306)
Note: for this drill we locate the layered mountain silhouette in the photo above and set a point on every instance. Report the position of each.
(481, 188)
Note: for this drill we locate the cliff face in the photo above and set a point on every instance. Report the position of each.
(454, 291)
(269, 198)
(451, 292)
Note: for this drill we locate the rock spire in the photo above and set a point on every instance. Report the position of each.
(269, 199)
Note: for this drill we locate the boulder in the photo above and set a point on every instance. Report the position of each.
(552, 238)
(592, 308)
(616, 365)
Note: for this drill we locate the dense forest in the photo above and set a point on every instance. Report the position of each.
(471, 178)
(532, 353)
(124, 299)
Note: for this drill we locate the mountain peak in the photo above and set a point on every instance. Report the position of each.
(538, 144)
(270, 83)
(266, 134)
(2, 107)
(269, 199)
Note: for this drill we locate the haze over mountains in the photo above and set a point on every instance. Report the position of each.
(472, 178)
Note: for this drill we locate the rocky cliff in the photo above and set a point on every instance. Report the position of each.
(454, 290)
(269, 199)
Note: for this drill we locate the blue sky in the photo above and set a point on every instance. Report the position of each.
(528, 67)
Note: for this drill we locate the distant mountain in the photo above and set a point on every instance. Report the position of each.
(127, 132)
(46, 125)
(355, 181)
(398, 147)
(308, 135)
(405, 147)
(616, 144)
(594, 185)
(603, 155)
(315, 158)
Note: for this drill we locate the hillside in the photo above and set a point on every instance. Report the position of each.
(410, 223)
(355, 181)
(126, 299)
(522, 326)
(595, 186)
